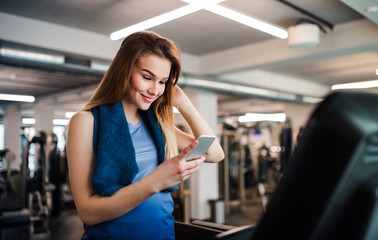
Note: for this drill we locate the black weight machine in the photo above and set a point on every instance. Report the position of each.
(12, 212)
(32, 201)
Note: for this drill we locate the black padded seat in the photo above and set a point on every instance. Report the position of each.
(9, 217)
(8, 204)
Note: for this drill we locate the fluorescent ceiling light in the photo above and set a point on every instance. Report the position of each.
(249, 21)
(63, 122)
(69, 114)
(28, 121)
(356, 85)
(31, 55)
(17, 98)
(31, 121)
(258, 117)
(203, 4)
(209, 5)
(155, 21)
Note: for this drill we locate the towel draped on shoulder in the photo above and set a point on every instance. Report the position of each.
(116, 165)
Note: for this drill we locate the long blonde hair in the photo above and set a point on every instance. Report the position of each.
(115, 83)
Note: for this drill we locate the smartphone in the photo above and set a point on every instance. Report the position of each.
(204, 142)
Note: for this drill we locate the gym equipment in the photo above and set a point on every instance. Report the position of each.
(248, 163)
(31, 205)
(286, 141)
(201, 230)
(329, 189)
(12, 213)
(36, 188)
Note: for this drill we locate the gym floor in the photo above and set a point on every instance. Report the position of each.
(67, 226)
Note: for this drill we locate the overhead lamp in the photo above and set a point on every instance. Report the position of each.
(28, 121)
(155, 21)
(203, 4)
(196, 5)
(69, 114)
(249, 21)
(253, 22)
(356, 85)
(60, 122)
(260, 117)
(32, 121)
(304, 35)
(17, 98)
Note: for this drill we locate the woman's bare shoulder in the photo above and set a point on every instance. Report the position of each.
(82, 119)
(82, 116)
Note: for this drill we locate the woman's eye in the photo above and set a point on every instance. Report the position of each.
(163, 82)
(146, 77)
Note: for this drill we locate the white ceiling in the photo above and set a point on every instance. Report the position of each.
(225, 50)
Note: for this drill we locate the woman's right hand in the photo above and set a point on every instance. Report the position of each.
(176, 169)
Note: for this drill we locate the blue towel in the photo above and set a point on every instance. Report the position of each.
(116, 164)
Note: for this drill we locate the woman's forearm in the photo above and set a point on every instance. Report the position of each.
(200, 127)
(97, 209)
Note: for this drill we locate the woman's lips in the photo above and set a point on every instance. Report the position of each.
(148, 99)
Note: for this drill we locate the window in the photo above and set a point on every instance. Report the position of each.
(2, 136)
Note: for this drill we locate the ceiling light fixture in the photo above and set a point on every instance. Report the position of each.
(155, 21)
(260, 117)
(69, 114)
(61, 122)
(32, 121)
(249, 21)
(209, 5)
(356, 85)
(29, 121)
(17, 98)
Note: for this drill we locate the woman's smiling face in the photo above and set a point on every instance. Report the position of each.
(148, 79)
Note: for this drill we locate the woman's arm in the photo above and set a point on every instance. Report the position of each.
(93, 208)
(198, 126)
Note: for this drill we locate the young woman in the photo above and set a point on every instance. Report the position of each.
(124, 153)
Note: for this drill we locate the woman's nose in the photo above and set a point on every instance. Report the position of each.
(154, 88)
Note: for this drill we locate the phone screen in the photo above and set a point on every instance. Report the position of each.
(204, 142)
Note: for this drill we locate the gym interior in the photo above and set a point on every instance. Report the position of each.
(294, 109)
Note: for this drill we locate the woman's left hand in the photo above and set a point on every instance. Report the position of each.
(180, 98)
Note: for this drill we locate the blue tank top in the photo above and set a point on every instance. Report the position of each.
(152, 219)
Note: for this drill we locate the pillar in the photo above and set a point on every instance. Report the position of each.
(12, 128)
(204, 184)
(44, 116)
